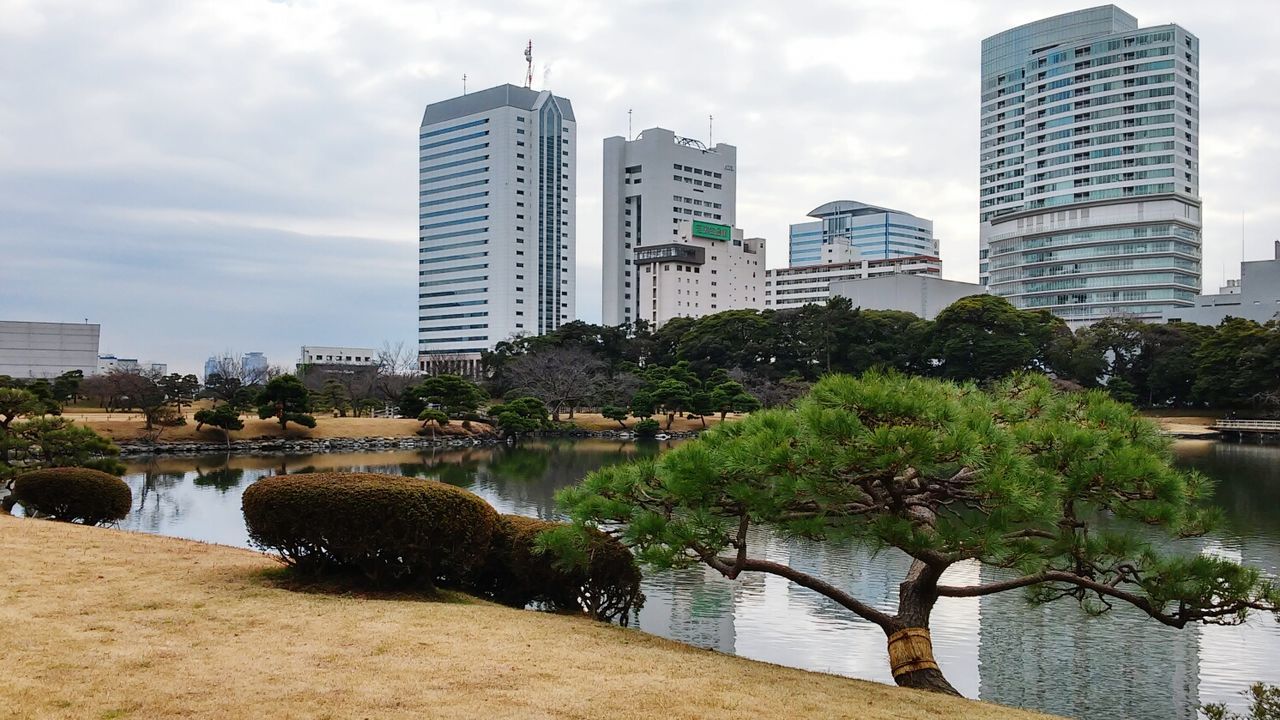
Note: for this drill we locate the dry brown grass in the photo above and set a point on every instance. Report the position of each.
(107, 624)
(596, 421)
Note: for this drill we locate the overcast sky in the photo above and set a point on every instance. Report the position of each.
(241, 174)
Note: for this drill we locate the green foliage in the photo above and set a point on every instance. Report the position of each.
(1264, 704)
(643, 405)
(230, 390)
(72, 494)
(520, 416)
(387, 530)
(15, 403)
(225, 417)
(452, 393)
(287, 400)
(180, 389)
(538, 561)
(983, 337)
(1019, 477)
(615, 413)
(731, 397)
(647, 428)
(433, 416)
(55, 442)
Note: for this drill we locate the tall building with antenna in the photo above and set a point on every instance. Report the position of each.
(496, 222)
(1089, 173)
(652, 183)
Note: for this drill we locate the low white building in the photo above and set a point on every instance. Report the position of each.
(1255, 296)
(923, 295)
(47, 350)
(706, 268)
(795, 286)
(327, 355)
(110, 363)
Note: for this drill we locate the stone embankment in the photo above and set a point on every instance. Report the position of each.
(308, 446)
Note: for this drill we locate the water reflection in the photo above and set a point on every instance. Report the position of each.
(1052, 658)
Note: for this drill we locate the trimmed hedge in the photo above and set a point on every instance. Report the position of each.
(73, 494)
(598, 575)
(391, 530)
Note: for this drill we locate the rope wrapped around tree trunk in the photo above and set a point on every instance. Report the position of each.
(911, 650)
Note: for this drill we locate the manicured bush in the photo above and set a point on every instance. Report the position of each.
(390, 530)
(646, 428)
(72, 494)
(550, 563)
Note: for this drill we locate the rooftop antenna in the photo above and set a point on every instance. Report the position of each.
(464, 83)
(710, 135)
(528, 58)
(628, 124)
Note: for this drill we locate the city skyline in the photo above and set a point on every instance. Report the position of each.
(240, 171)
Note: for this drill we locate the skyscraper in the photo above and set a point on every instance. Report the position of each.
(496, 222)
(1089, 171)
(650, 185)
(876, 233)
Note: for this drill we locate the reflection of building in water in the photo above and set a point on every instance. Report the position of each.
(694, 606)
(1057, 659)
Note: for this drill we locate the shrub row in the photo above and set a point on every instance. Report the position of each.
(398, 531)
(72, 494)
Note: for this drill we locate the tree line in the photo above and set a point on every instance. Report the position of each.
(777, 354)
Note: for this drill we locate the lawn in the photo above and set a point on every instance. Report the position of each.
(107, 624)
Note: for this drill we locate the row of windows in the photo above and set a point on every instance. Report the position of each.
(1081, 268)
(448, 293)
(451, 258)
(455, 151)
(1107, 152)
(453, 328)
(454, 246)
(694, 170)
(1104, 166)
(455, 128)
(1039, 301)
(455, 163)
(451, 188)
(1097, 251)
(1110, 193)
(461, 138)
(460, 268)
(1101, 180)
(461, 303)
(1104, 281)
(453, 316)
(1090, 236)
(468, 338)
(453, 211)
(1102, 127)
(455, 198)
(453, 281)
(451, 176)
(1106, 140)
(460, 221)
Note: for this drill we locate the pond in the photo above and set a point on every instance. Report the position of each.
(1052, 658)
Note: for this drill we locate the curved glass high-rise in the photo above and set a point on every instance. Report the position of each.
(1089, 174)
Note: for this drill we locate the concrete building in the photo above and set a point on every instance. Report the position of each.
(1255, 296)
(47, 350)
(1089, 195)
(650, 185)
(875, 232)
(705, 268)
(496, 220)
(111, 363)
(923, 295)
(796, 286)
(326, 355)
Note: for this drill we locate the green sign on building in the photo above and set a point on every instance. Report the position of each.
(712, 231)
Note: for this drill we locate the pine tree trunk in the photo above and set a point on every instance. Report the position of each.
(911, 660)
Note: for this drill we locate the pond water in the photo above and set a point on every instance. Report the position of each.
(1052, 658)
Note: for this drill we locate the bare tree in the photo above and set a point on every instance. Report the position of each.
(397, 371)
(561, 377)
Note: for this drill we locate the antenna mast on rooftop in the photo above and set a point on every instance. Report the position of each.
(528, 58)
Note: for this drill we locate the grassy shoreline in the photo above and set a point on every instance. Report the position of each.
(110, 624)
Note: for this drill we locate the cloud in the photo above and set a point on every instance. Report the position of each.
(243, 174)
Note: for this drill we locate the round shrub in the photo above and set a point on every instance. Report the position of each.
(388, 529)
(72, 494)
(587, 572)
(647, 428)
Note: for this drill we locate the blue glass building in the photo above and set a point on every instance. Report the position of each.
(877, 233)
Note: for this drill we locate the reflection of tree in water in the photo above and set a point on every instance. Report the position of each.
(527, 477)
(221, 479)
(154, 502)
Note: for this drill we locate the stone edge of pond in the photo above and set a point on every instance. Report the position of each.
(334, 445)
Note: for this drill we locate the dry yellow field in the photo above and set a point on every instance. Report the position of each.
(107, 624)
(596, 421)
(130, 426)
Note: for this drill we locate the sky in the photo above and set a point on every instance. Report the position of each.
(236, 175)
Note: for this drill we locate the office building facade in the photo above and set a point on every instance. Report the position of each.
(334, 355)
(1089, 171)
(875, 232)
(651, 185)
(704, 269)
(923, 295)
(30, 350)
(795, 286)
(496, 222)
(1255, 296)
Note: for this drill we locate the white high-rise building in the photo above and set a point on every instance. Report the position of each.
(496, 222)
(1089, 176)
(703, 269)
(651, 184)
